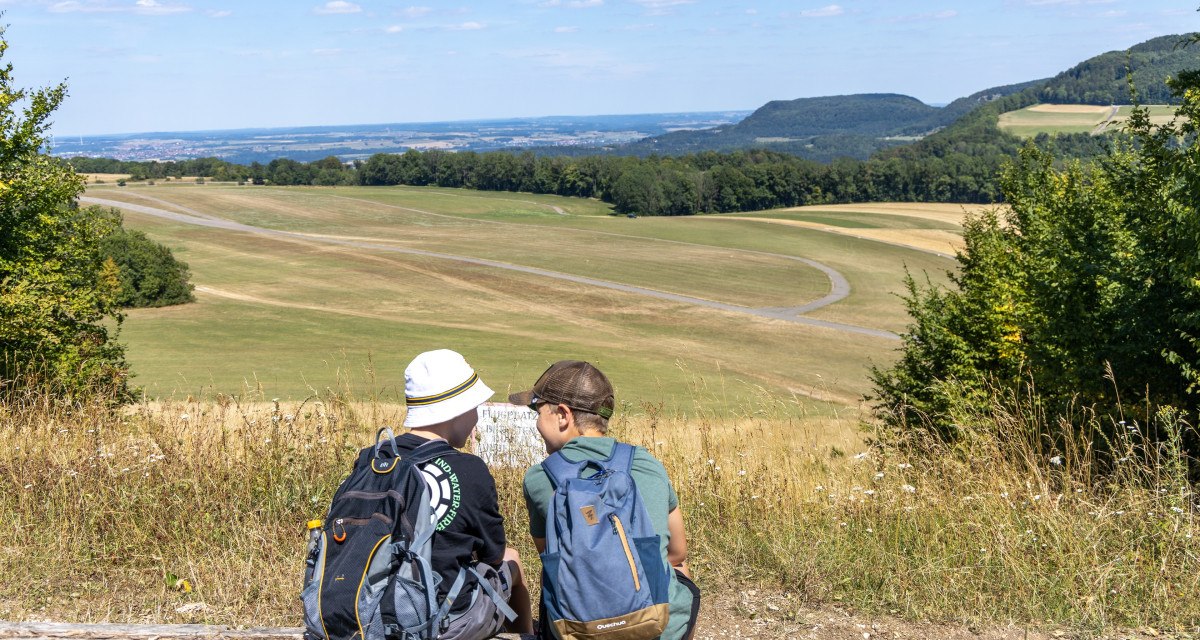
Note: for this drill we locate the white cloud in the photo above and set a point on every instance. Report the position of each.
(661, 7)
(141, 7)
(922, 17)
(327, 52)
(573, 4)
(218, 14)
(336, 7)
(396, 28)
(467, 26)
(413, 13)
(823, 12)
(565, 29)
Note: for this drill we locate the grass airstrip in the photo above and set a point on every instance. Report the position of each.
(298, 315)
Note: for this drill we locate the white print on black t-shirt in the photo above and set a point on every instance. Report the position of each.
(445, 493)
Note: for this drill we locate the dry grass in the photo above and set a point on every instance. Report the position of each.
(102, 507)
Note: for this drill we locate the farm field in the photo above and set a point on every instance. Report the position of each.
(1074, 118)
(328, 295)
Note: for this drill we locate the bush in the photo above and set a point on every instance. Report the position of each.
(148, 272)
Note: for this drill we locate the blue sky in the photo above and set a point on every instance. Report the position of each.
(182, 65)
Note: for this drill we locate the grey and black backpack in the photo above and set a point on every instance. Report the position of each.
(369, 575)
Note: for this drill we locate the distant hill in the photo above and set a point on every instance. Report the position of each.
(1103, 79)
(858, 126)
(824, 128)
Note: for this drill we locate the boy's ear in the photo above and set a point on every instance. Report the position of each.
(565, 417)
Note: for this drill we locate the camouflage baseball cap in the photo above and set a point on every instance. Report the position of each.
(575, 383)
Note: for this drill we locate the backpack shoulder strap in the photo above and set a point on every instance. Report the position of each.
(559, 469)
(622, 457)
(429, 451)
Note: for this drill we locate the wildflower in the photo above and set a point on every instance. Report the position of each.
(879, 476)
(904, 465)
(71, 473)
(1037, 497)
(185, 417)
(29, 486)
(289, 417)
(1004, 495)
(710, 461)
(843, 524)
(820, 488)
(1125, 459)
(718, 467)
(125, 470)
(1056, 460)
(266, 441)
(742, 472)
(908, 488)
(870, 530)
(869, 492)
(860, 456)
(1176, 509)
(754, 497)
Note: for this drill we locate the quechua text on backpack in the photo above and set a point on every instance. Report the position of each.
(603, 576)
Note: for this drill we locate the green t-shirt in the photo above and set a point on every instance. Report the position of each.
(657, 494)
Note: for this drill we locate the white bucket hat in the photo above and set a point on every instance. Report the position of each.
(440, 385)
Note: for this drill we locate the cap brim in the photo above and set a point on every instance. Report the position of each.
(523, 398)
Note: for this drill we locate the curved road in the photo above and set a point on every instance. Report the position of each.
(840, 286)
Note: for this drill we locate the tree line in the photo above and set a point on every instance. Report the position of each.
(960, 168)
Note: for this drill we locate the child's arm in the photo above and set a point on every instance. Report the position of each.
(540, 543)
(677, 553)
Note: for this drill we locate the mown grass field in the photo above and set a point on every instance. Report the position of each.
(1074, 118)
(299, 316)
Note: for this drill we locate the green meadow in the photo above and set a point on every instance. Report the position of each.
(296, 316)
(1075, 118)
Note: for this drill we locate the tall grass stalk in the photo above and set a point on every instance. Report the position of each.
(103, 509)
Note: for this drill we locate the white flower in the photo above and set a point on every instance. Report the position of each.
(710, 461)
(879, 475)
(869, 492)
(754, 497)
(820, 488)
(29, 486)
(904, 465)
(742, 472)
(185, 417)
(1056, 460)
(908, 488)
(1176, 509)
(1037, 497)
(860, 456)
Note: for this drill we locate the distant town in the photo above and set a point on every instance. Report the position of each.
(358, 142)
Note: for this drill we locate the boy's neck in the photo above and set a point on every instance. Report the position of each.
(432, 432)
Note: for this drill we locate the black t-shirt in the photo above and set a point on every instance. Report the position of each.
(463, 496)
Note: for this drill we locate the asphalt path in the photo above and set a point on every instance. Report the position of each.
(839, 289)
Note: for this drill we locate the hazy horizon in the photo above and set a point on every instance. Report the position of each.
(139, 66)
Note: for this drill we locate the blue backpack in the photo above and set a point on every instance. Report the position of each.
(368, 574)
(603, 576)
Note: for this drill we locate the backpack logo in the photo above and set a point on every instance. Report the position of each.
(608, 584)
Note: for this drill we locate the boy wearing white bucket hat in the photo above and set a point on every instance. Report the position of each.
(443, 394)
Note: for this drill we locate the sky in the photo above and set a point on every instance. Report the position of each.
(191, 65)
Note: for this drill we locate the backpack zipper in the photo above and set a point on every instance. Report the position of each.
(619, 529)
